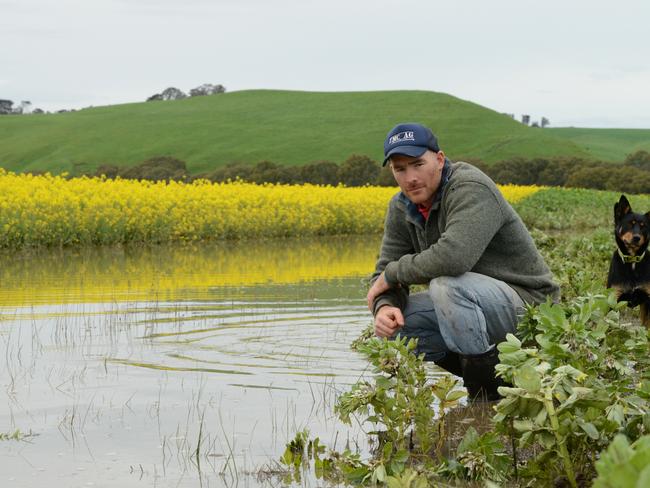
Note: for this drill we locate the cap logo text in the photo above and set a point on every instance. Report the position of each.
(408, 135)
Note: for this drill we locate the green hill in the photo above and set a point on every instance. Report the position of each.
(606, 144)
(286, 127)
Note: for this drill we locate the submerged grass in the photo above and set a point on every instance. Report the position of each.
(16, 435)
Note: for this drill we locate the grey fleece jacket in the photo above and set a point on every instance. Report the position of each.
(471, 227)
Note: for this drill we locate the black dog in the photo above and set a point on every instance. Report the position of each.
(629, 271)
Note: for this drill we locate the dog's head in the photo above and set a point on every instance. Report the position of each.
(632, 230)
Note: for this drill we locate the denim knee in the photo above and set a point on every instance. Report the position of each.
(474, 311)
(462, 322)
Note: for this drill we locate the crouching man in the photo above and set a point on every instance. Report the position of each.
(451, 229)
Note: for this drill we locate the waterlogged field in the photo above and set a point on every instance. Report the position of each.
(174, 365)
(194, 363)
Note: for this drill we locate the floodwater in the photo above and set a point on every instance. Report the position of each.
(185, 365)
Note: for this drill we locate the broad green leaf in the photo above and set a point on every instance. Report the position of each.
(615, 414)
(507, 347)
(380, 473)
(455, 395)
(590, 429)
(547, 439)
(387, 451)
(383, 382)
(523, 425)
(512, 339)
(570, 371)
(468, 441)
(553, 315)
(644, 478)
(507, 391)
(401, 456)
(528, 378)
(393, 482)
(525, 438)
(543, 341)
(507, 405)
(541, 417)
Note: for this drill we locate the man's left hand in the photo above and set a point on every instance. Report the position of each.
(378, 287)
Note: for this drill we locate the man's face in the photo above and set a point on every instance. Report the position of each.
(418, 178)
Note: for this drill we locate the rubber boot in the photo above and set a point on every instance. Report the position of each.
(479, 376)
(451, 363)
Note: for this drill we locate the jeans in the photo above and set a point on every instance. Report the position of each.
(466, 314)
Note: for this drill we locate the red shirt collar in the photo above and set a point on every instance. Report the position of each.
(424, 211)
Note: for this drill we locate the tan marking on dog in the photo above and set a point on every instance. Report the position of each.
(643, 308)
(631, 246)
(645, 315)
(618, 290)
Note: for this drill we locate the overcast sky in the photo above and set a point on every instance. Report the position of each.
(581, 63)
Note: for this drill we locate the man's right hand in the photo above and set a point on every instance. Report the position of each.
(388, 321)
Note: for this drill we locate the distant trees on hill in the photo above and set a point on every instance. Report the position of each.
(24, 107)
(173, 93)
(207, 89)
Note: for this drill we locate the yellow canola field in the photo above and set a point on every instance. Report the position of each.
(55, 211)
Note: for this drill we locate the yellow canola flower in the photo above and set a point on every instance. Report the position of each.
(516, 193)
(57, 211)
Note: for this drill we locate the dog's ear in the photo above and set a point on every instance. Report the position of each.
(621, 208)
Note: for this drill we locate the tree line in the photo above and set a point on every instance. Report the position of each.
(631, 176)
(7, 107)
(357, 170)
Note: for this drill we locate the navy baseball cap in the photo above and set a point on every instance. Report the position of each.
(409, 139)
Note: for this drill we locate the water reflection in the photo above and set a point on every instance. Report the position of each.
(119, 359)
(177, 272)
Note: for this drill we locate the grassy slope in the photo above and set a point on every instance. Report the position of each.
(606, 144)
(282, 126)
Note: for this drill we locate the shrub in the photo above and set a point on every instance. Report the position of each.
(319, 173)
(385, 177)
(639, 159)
(574, 172)
(358, 170)
(590, 177)
(159, 168)
(269, 172)
(231, 171)
(108, 170)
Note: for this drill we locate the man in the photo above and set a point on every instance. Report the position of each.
(451, 229)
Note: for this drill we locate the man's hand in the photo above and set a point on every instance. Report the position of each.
(377, 288)
(388, 321)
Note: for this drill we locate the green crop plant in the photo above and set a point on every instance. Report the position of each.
(577, 375)
(577, 381)
(624, 465)
(399, 404)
